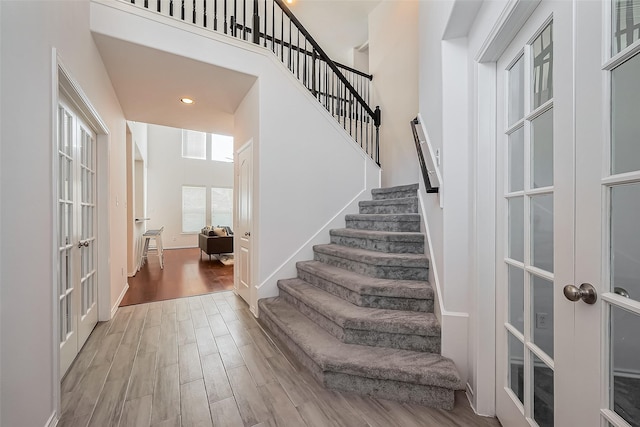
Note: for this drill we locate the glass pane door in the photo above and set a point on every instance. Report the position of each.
(528, 212)
(66, 237)
(87, 225)
(622, 188)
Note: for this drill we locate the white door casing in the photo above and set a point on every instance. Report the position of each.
(243, 246)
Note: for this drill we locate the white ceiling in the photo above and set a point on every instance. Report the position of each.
(149, 84)
(337, 25)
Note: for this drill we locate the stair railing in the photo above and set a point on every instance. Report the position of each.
(427, 164)
(342, 90)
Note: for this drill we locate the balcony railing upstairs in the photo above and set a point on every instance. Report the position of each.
(343, 91)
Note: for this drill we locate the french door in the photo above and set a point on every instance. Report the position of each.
(568, 247)
(77, 267)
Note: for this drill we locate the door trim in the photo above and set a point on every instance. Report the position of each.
(63, 82)
(513, 16)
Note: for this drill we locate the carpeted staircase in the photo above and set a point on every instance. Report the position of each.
(360, 316)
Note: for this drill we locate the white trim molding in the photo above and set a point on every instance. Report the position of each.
(114, 309)
(514, 15)
(53, 420)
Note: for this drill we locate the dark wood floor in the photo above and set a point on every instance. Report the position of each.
(184, 275)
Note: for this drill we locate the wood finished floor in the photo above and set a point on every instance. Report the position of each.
(205, 361)
(184, 274)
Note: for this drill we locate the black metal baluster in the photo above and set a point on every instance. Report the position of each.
(273, 25)
(266, 22)
(225, 17)
(304, 64)
(298, 56)
(158, 5)
(215, 15)
(281, 36)
(289, 49)
(170, 7)
(343, 105)
(377, 138)
(204, 13)
(332, 99)
(326, 86)
(256, 23)
(146, 4)
(234, 18)
(244, 19)
(350, 113)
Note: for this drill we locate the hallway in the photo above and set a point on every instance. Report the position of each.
(203, 361)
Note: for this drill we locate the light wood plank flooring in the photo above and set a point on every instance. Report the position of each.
(205, 361)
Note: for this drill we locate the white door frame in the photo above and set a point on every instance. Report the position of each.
(514, 15)
(62, 81)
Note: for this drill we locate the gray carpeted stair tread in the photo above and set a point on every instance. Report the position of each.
(351, 316)
(372, 257)
(401, 242)
(385, 202)
(365, 285)
(397, 189)
(332, 355)
(410, 204)
(385, 236)
(397, 217)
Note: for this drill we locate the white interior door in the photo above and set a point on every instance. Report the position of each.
(607, 208)
(569, 196)
(242, 242)
(77, 267)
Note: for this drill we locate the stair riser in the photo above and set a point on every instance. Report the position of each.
(361, 337)
(399, 208)
(431, 396)
(379, 245)
(381, 271)
(372, 301)
(408, 226)
(394, 195)
(387, 389)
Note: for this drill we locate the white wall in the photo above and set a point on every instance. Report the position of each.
(29, 31)
(167, 172)
(309, 172)
(393, 62)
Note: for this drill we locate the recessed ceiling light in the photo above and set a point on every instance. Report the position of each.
(290, 1)
(186, 100)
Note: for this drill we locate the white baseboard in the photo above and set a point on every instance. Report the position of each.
(119, 300)
(166, 248)
(53, 420)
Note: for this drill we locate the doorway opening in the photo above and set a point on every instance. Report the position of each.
(180, 181)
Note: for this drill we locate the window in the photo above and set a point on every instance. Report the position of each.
(194, 144)
(222, 206)
(221, 148)
(194, 208)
